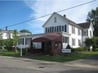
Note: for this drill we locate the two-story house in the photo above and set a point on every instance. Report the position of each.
(72, 34)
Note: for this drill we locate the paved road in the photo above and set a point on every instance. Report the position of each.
(24, 65)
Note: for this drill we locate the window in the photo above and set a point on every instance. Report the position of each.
(37, 45)
(65, 28)
(79, 31)
(59, 28)
(28, 41)
(65, 39)
(21, 41)
(51, 29)
(54, 29)
(73, 42)
(79, 43)
(85, 32)
(46, 30)
(55, 19)
(73, 29)
(62, 28)
(90, 33)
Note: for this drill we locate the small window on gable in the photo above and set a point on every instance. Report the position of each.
(55, 19)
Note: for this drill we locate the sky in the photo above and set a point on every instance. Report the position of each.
(16, 11)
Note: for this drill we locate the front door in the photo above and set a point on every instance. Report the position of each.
(47, 47)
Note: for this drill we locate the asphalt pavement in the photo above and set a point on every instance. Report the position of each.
(25, 65)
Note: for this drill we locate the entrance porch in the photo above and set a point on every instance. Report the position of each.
(49, 44)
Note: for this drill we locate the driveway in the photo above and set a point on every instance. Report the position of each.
(24, 65)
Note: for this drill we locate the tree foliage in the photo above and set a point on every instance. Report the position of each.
(93, 18)
(92, 42)
(88, 42)
(15, 39)
(25, 30)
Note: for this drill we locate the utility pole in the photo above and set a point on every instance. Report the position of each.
(6, 28)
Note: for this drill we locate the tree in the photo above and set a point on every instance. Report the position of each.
(95, 42)
(15, 39)
(25, 30)
(88, 42)
(0, 36)
(92, 42)
(93, 18)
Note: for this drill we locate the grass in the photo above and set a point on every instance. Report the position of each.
(9, 53)
(65, 58)
(59, 58)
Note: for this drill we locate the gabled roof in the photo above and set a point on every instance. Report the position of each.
(84, 25)
(65, 18)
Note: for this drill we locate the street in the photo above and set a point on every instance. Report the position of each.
(25, 65)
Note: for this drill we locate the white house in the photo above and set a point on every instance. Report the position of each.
(24, 38)
(60, 33)
(6, 34)
(73, 34)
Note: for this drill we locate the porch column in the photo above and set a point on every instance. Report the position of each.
(24, 41)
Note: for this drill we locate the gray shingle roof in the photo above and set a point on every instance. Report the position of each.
(84, 25)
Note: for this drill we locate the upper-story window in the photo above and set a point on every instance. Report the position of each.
(85, 32)
(52, 29)
(55, 19)
(45, 30)
(57, 28)
(73, 29)
(65, 28)
(79, 31)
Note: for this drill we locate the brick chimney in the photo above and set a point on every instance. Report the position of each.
(64, 16)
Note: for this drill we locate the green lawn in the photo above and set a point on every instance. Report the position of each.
(9, 53)
(60, 58)
(65, 58)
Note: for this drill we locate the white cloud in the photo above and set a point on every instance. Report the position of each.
(44, 7)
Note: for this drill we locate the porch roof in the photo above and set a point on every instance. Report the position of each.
(57, 37)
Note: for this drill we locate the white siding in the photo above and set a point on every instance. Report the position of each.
(57, 20)
(75, 36)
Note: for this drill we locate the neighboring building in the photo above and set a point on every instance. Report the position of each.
(6, 34)
(73, 34)
(24, 40)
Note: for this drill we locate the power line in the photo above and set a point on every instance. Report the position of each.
(50, 14)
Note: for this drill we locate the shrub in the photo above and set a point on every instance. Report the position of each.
(96, 49)
(79, 49)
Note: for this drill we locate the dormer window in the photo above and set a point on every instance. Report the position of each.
(55, 19)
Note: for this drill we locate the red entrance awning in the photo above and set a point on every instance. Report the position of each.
(57, 37)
